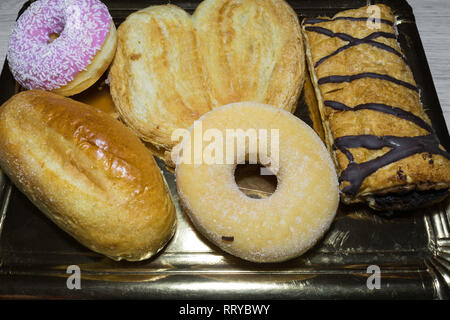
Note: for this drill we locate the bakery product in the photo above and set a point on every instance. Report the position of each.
(381, 139)
(88, 173)
(62, 46)
(171, 67)
(251, 50)
(272, 229)
(156, 79)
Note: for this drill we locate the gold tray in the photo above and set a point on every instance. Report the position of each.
(410, 249)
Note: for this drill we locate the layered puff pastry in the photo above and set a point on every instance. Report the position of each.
(384, 147)
(171, 67)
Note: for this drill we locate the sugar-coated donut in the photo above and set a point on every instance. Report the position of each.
(273, 229)
(62, 46)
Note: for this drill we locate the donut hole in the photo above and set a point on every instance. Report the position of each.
(52, 37)
(252, 183)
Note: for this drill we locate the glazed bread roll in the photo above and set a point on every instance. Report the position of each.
(170, 67)
(88, 173)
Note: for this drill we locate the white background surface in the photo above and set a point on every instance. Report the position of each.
(432, 18)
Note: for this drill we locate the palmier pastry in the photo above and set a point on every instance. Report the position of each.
(171, 67)
(385, 149)
(251, 50)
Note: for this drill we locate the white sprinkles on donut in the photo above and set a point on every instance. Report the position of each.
(38, 63)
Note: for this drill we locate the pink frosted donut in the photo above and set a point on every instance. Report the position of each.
(84, 47)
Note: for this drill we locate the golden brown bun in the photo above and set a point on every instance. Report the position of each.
(95, 69)
(88, 173)
(170, 67)
(422, 171)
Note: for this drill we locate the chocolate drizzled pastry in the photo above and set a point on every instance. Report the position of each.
(385, 149)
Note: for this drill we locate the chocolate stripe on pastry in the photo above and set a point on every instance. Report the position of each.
(373, 75)
(384, 108)
(319, 20)
(402, 147)
(356, 41)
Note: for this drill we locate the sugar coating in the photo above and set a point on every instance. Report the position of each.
(38, 63)
(277, 228)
